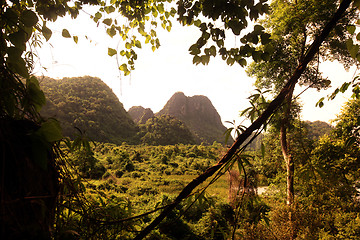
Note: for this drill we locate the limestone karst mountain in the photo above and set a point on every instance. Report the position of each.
(89, 104)
(198, 114)
(140, 115)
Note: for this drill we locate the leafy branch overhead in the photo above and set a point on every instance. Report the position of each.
(234, 17)
(205, 15)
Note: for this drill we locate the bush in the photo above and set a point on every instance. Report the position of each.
(109, 160)
(119, 173)
(106, 175)
(129, 166)
(97, 171)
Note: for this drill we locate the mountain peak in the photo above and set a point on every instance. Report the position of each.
(140, 114)
(198, 113)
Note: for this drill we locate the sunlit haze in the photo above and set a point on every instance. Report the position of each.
(169, 69)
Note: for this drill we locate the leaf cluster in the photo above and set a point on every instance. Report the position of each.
(235, 16)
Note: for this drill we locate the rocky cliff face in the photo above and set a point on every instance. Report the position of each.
(198, 113)
(140, 114)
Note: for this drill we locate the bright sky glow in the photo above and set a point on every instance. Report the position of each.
(169, 69)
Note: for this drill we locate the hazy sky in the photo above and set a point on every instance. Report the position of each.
(169, 69)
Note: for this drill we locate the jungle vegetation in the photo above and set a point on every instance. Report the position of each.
(48, 188)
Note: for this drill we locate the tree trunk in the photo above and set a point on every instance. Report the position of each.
(289, 161)
(285, 148)
(289, 165)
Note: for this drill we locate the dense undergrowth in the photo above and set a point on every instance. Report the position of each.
(121, 188)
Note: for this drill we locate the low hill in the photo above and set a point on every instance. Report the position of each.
(317, 129)
(140, 114)
(198, 114)
(165, 130)
(90, 105)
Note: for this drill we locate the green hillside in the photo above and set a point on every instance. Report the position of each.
(165, 130)
(89, 104)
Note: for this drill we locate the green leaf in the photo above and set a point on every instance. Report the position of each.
(126, 73)
(36, 96)
(20, 68)
(242, 62)
(98, 15)
(76, 39)
(18, 39)
(320, 103)
(29, 18)
(230, 61)
(154, 12)
(227, 134)
(65, 33)
(194, 50)
(46, 32)
(123, 67)
(235, 26)
(205, 59)
(212, 51)
(138, 44)
(344, 87)
(107, 21)
(265, 38)
(111, 52)
(160, 8)
(351, 29)
(111, 31)
(109, 9)
(254, 14)
(50, 130)
(349, 44)
(196, 60)
(254, 39)
(16, 62)
(197, 23)
(258, 29)
(354, 51)
(220, 43)
(256, 55)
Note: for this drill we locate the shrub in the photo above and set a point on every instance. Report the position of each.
(98, 171)
(119, 173)
(106, 175)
